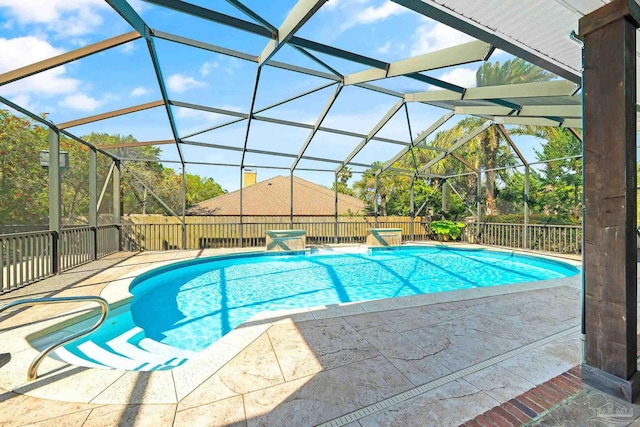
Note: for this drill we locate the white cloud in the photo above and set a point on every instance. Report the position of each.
(464, 77)
(128, 48)
(80, 102)
(67, 18)
(353, 12)
(382, 12)
(331, 4)
(22, 51)
(180, 83)
(430, 37)
(138, 6)
(140, 91)
(206, 68)
(233, 64)
(385, 48)
(23, 100)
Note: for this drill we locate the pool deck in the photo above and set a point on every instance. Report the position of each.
(436, 359)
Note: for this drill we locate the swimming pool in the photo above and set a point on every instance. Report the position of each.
(181, 309)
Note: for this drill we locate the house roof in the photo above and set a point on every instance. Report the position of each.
(272, 197)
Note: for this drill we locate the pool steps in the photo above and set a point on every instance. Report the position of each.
(131, 350)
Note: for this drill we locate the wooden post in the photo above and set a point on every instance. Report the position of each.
(609, 257)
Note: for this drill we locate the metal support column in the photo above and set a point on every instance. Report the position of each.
(335, 211)
(444, 196)
(412, 207)
(479, 206)
(240, 232)
(291, 201)
(54, 197)
(375, 202)
(117, 205)
(525, 231)
(93, 198)
(609, 258)
(184, 207)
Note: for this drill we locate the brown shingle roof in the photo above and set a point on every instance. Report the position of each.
(271, 197)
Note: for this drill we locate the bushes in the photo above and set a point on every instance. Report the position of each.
(447, 230)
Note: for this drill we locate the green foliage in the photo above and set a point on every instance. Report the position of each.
(510, 72)
(365, 188)
(200, 188)
(447, 229)
(343, 188)
(24, 183)
(556, 189)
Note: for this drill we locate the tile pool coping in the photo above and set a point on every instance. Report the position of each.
(171, 386)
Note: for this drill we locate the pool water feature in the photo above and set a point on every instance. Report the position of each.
(181, 309)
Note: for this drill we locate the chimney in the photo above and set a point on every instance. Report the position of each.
(249, 177)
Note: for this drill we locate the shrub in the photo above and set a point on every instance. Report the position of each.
(446, 229)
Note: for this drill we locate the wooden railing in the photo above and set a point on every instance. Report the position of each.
(25, 258)
(28, 257)
(155, 237)
(566, 239)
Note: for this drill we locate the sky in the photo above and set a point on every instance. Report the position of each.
(34, 30)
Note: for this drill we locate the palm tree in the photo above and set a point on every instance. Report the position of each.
(365, 187)
(345, 175)
(486, 148)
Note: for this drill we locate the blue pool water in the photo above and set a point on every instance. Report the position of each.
(181, 309)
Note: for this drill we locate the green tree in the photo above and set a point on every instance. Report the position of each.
(486, 150)
(23, 183)
(560, 191)
(343, 182)
(199, 189)
(365, 187)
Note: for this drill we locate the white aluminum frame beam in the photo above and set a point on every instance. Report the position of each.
(301, 12)
(521, 90)
(529, 121)
(567, 111)
(456, 55)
